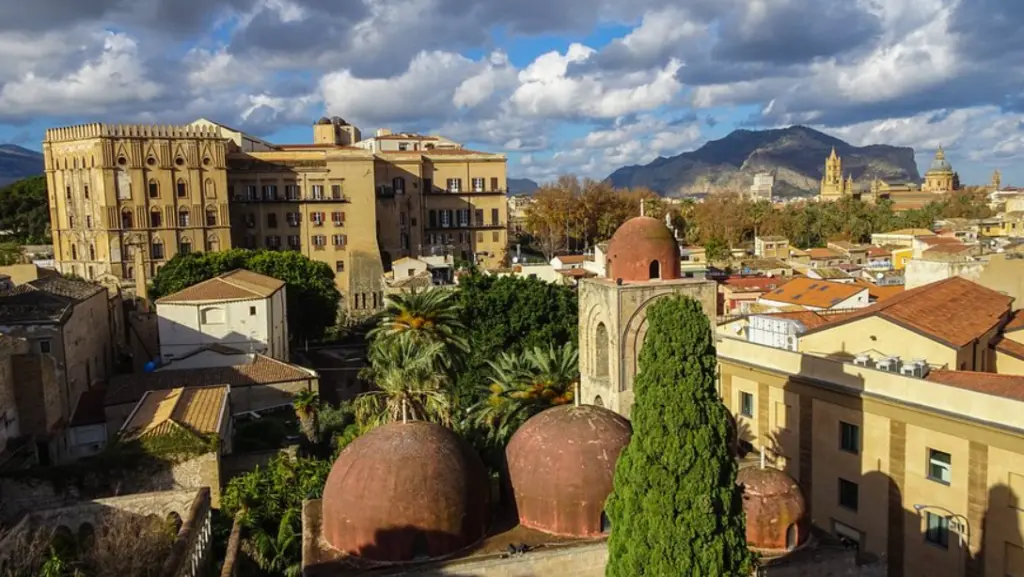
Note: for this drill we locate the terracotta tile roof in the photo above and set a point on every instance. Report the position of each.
(238, 284)
(878, 251)
(813, 292)
(262, 370)
(939, 240)
(44, 300)
(879, 293)
(572, 258)
(1009, 346)
(764, 264)
(576, 272)
(197, 410)
(73, 289)
(403, 136)
(948, 248)
(1016, 321)
(954, 311)
(1007, 386)
(753, 283)
(828, 273)
(823, 253)
(910, 232)
(809, 319)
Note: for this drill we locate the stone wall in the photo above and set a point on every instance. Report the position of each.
(586, 560)
(25, 492)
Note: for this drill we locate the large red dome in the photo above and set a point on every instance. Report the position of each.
(775, 509)
(561, 463)
(405, 491)
(643, 249)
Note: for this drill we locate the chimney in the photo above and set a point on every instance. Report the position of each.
(141, 280)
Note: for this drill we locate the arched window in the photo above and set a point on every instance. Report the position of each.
(126, 218)
(129, 273)
(598, 401)
(156, 218)
(185, 246)
(212, 244)
(92, 252)
(601, 351)
(183, 217)
(211, 216)
(74, 252)
(655, 271)
(182, 188)
(791, 536)
(209, 189)
(154, 189)
(156, 250)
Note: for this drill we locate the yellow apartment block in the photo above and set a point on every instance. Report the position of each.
(890, 418)
(356, 204)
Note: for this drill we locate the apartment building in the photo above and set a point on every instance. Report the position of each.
(355, 204)
(893, 423)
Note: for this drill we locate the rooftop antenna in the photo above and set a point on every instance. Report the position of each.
(762, 457)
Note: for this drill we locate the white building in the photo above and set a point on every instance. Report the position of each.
(764, 184)
(239, 309)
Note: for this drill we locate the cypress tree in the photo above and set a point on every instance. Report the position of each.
(675, 508)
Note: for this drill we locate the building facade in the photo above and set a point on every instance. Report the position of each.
(833, 185)
(355, 204)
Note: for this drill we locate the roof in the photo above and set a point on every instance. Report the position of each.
(908, 232)
(576, 272)
(197, 410)
(847, 246)
(261, 370)
(879, 251)
(949, 248)
(1008, 386)
(1016, 321)
(1009, 346)
(940, 240)
(44, 300)
(939, 310)
(572, 258)
(809, 319)
(239, 284)
(879, 293)
(829, 273)
(812, 292)
(823, 253)
(752, 283)
(764, 264)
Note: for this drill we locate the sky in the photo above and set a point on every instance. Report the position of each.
(561, 86)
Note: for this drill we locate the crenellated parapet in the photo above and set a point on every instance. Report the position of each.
(98, 130)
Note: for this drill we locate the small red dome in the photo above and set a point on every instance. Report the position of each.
(561, 463)
(775, 509)
(643, 249)
(405, 491)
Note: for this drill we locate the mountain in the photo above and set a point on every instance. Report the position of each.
(17, 163)
(521, 186)
(797, 155)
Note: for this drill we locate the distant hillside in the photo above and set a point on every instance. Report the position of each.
(796, 154)
(521, 186)
(17, 163)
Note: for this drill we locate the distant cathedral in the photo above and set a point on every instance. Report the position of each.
(833, 186)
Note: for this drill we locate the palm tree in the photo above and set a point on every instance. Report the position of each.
(431, 315)
(278, 554)
(499, 412)
(307, 408)
(408, 382)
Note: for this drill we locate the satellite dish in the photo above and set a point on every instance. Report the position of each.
(879, 276)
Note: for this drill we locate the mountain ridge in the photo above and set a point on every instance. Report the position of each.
(17, 162)
(796, 154)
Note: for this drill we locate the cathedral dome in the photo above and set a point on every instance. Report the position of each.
(940, 164)
(405, 491)
(775, 508)
(561, 463)
(642, 249)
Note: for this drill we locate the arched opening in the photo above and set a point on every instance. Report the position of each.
(601, 351)
(182, 189)
(420, 547)
(212, 244)
(126, 218)
(606, 523)
(174, 522)
(598, 401)
(129, 273)
(156, 218)
(74, 252)
(156, 250)
(211, 216)
(183, 217)
(154, 189)
(608, 268)
(86, 537)
(210, 189)
(185, 246)
(791, 535)
(92, 252)
(63, 540)
(655, 270)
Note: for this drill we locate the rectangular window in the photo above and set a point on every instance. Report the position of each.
(271, 220)
(446, 218)
(155, 219)
(432, 219)
(183, 218)
(463, 217)
(154, 189)
(85, 189)
(318, 192)
(293, 241)
(479, 237)
(338, 239)
(848, 494)
(211, 217)
(478, 217)
(936, 529)
(184, 247)
(71, 222)
(44, 347)
(182, 190)
(68, 192)
(291, 192)
(88, 221)
(338, 218)
(270, 192)
(250, 192)
(339, 266)
(317, 218)
(494, 217)
(336, 191)
(454, 184)
(292, 218)
(156, 251)
(495, 236)
(478, 185)
(319, 240)
(252, 311)
(940, 466)
(746, 404)
(494, 184)
(849, 438)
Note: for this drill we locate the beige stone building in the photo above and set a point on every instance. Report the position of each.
(894, 423)
(833, 185)
(355, 204)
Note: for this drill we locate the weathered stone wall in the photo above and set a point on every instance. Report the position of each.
(8, 405)
(22, 494)
(586, 560)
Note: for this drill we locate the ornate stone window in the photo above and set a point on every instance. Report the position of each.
(126, 218)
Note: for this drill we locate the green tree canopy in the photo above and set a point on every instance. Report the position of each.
(675, 508)
(312, 296)
(25, 210)
(510, 314)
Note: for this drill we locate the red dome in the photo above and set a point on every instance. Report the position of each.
(643, 249)
(775, 508)
(561, 463)
(405, 491)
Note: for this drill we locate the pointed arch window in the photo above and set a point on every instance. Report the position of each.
(156, 250)
(182, 188)
(655, 270)
(212, 244)
(126, 218)
(185, 246)
(211, 216)
(154, 189)
(156, 219)
(183, 217)
(210, 189)
(74, 252)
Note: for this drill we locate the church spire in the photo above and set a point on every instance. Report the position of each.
(833, 156)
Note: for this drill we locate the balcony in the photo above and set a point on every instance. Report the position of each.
(466, 192)
(282, 199)
(467, 226)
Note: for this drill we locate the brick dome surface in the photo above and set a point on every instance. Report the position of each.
(775, 508)
(561, 463)
(636, 244)
(405, 491)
